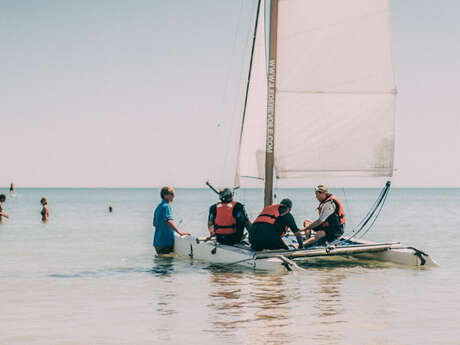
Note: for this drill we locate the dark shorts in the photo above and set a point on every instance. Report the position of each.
(264, 236)
(332, 233)
(229, 239)
(164, 250)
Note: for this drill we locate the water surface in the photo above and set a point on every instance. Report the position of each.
(90, 277)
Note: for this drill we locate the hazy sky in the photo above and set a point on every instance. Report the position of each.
(145, 93)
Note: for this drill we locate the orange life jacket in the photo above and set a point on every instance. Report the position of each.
(339, 211)
(225, 222)
(269, 215)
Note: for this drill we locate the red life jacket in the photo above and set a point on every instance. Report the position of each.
(269, 215)
(225, 222)
(339, 211)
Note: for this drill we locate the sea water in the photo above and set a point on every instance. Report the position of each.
(91, 277)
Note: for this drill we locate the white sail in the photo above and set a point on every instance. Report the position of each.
(335, 84)
(252, 145)
(335, 92)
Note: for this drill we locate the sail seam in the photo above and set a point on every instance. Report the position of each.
(390, 92)
(332, 170)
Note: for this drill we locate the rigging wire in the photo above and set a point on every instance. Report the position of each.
(376, 216)
(256, 22)
(230, 69)
(348, 208)
(226, 130)
(372, 215)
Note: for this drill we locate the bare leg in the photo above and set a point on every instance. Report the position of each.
(318, 235)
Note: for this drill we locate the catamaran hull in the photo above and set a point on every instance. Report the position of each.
(407, 256)
(222, 255)
(282, 260)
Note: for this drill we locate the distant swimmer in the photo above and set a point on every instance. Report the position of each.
(12, 187)
(110, 209)
(2, 200)
(45, 212)
(163, 239)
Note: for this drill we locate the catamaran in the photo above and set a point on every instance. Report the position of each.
(329, 80)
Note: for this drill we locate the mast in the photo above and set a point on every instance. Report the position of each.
(270, 137)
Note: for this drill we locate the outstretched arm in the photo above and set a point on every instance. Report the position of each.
(242, 216)
(173, 226)
(313, 225)
(211, 228)
(290, 222)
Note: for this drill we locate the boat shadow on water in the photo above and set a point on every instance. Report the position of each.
(343, 262)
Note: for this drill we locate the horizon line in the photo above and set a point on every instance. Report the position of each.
(205, 187)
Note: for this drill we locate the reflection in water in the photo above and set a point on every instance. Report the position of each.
(328, 308)
(227, 301)
(164, 293)
(163, 267)
(250, 307)
(273, 301)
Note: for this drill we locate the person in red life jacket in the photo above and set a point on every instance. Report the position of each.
(271, 225)
(227, 219)
(329, 226)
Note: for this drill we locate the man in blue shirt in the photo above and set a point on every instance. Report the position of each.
(163, 240)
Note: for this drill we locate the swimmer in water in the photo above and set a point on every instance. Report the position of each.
(45, 212)
(2, 200)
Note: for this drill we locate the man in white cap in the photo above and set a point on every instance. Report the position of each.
(329, 226)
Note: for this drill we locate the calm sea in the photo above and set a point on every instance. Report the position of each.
(90, 277)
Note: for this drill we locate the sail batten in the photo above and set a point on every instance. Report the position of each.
(392, 92)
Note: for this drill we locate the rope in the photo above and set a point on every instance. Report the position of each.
(372, 215)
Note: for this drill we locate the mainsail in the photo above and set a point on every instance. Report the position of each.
(334, 91)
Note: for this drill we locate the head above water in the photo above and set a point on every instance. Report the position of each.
(44, 201)
(226, 195)
(167, 193)
(2, 197)
(286, 202)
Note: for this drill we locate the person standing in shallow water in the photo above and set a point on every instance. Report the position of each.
(163, 239)
(12, 187)
(45, 212)
(2, 200)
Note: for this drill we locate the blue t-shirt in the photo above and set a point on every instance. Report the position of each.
(164, 235)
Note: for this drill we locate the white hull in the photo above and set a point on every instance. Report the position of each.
(209, 251)
(279, 261)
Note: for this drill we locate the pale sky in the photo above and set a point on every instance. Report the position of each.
(145, 93)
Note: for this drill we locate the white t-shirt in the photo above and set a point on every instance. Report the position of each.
(327, 209)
